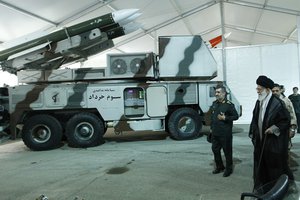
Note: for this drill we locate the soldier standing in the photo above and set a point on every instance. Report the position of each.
(295, 99)
(289, 106)
(223, 115)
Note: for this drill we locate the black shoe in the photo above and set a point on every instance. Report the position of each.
(218, 170)
(227, 173)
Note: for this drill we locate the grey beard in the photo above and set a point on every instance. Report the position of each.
(262, 96)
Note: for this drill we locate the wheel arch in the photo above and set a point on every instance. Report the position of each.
(85, 129)
(173, 108)
(192, 119)
(42, 132)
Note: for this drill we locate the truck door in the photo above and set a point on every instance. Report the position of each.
(157, 104)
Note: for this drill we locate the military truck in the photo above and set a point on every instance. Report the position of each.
(171, 92)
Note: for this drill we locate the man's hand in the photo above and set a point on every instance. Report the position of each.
(221, 116)
(292, 133)
(269, 131)
(273, 130)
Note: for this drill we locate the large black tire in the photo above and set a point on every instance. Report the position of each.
(85, 130)
(42, 132)
(184, 124)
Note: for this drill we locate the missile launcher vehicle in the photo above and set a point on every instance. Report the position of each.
(171, 91)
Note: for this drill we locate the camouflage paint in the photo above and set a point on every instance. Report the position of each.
(79, 89)
(181, 92)
(163, 43)
(189, 57)
(184, 64)
(24, 105)
(185, 58)
(149, 64)
(122, 124)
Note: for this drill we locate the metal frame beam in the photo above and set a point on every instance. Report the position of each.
(224, 44)
(244, 29)
(298, 42)
(179, 12)
(90, 8)
(265, 7)
(290, 35)
(258, 20)
(238, 42)
(166, 23)
(210, 30)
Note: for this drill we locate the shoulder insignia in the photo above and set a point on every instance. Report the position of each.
(229, 102)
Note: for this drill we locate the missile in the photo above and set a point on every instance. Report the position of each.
(123, 30)
(129, 19)
(104, 23)
(70, 44)
(216, 40)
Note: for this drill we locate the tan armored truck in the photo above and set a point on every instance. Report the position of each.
(169, 92)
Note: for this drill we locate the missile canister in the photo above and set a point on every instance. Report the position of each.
(103, 21)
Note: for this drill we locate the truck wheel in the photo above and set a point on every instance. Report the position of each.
(85, 130)
(184, 123)
(42, 132)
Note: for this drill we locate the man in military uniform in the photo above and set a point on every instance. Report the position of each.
(295, 99)
(289, 106)
(223, 115)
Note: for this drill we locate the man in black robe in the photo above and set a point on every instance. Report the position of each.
(269, 131)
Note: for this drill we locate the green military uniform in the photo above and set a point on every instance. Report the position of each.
(222, 132)
(295, 99)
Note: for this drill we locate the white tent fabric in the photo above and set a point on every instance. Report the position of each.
(244, 64)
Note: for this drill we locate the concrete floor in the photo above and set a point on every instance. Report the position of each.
(132, 166)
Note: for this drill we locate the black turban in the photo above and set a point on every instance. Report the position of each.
(265, 82)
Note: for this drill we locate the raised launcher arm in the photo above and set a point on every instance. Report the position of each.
(74, 43)
(52, 56)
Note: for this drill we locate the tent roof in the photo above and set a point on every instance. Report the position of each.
(250, 22)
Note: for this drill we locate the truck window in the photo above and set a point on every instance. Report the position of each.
(134, 102)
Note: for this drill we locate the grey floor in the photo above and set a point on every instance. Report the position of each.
(133, 166)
